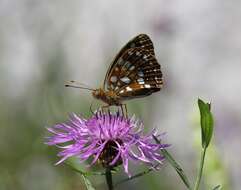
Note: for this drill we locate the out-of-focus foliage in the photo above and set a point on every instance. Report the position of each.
(45, 43)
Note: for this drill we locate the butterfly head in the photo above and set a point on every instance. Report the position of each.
(98, 93)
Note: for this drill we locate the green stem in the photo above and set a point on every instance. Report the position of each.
(177, 167)
(108, 177)
(137, 175)
(196, 187)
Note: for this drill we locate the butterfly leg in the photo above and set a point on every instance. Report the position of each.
(105, 109)
(91, 108)
(124, 112)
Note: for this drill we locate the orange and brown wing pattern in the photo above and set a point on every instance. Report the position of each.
(140, 41)
(140, 79)
(136, 72)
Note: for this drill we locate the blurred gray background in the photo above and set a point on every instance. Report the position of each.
(45, 43)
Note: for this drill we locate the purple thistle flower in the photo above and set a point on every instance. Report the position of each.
(109, 138)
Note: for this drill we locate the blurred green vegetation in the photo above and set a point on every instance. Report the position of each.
(26, 163)
(199, 51)
(214, 172)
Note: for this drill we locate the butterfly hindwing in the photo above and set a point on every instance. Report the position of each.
(135, 71)
(136, 74)
(145, 78)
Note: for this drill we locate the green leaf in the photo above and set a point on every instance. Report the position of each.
(73, 167)
(88, 184)
(217, 187)
(83, 174)
(206, 120)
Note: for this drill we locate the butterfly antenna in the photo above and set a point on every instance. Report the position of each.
(91, 107)
(79, 85)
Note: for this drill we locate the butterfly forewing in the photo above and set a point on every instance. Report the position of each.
(140, 41)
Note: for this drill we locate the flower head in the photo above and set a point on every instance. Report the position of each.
(108, 137)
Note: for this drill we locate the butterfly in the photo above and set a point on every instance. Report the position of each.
(134, 73)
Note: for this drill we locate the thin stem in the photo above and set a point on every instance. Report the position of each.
(108, 177)
(196, 187)
(137, 175)
(83, 172)
(175, 165)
